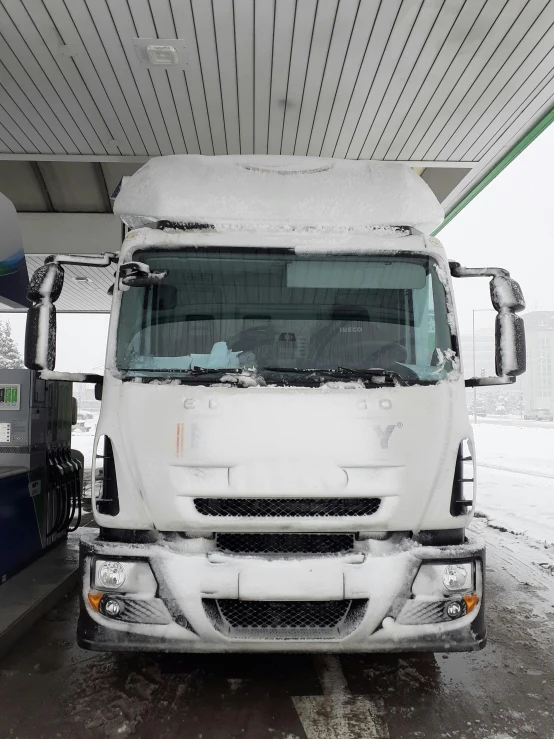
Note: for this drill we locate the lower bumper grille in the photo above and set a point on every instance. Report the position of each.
(286, 507)
(247, 619)
(143, 611)
(285, 543)
(418, 612)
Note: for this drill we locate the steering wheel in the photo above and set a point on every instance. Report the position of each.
(390, 356)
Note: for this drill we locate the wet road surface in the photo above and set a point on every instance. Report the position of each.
(51, 688)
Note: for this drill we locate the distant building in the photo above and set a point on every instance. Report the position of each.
(489, 398)
(538, 382)
(484, 353)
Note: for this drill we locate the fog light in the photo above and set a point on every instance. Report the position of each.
(454, 577)
(111, 574)
(454, 609)
(111, 607)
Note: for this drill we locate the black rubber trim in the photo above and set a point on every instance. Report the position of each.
(440, 537)
(127, 536)
(108, 503)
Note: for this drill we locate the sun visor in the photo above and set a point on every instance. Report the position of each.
(14, 279)
(282, 192)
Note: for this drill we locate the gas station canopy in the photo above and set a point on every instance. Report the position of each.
(91, 89)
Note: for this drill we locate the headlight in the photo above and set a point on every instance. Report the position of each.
(438, 579)
(110, 574)
(125, 575)
(454, 577)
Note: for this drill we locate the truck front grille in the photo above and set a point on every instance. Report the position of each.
(248, 619)
(283, 544)
(286, 507)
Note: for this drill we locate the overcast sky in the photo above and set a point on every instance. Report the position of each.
(510, 224)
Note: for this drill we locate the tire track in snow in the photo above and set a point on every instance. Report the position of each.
(338, 714)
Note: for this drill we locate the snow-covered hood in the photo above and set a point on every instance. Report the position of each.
(281, 190)
(176, 442)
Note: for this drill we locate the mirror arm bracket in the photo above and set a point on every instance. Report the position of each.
(456, 270)
(92, 379)
(84, 260)
(488, 381)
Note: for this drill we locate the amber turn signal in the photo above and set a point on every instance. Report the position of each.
(94, 600)
(470, 601)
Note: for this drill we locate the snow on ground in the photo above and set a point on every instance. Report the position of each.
(515, 477)
(522, 448)
(514, 421)
(84, 443)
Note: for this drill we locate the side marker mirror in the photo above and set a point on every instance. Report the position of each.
(506, 294)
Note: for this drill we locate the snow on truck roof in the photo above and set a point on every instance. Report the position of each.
(282, 191)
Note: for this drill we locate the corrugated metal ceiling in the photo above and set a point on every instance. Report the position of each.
(425, 80)
(446, 85)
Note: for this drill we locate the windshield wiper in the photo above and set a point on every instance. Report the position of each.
(215, 370)
(192, 372)
(349, 372)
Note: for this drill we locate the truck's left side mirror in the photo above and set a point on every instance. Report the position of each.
(40, 330)
(507, 300)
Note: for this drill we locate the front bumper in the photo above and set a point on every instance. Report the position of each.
(191, 582)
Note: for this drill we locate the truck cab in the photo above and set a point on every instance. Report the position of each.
(288, 462)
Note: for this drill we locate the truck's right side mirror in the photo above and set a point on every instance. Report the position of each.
(40, 331)
(510, 355)
(507, 300)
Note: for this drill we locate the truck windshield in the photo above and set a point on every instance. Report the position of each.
(281, 314)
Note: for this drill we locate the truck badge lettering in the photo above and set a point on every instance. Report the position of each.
(351, 330)
(384, 434)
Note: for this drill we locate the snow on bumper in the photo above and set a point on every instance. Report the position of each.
(369, 589)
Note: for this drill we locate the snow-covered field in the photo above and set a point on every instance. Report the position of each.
(522, 448)
(516, 478)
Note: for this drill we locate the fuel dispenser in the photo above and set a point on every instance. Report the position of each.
(40, 480)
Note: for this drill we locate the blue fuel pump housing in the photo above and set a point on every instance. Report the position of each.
(40, 479)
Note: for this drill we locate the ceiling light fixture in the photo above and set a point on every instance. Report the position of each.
(165, 56)
(160, 53)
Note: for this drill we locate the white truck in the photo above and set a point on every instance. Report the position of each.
(287, 458)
